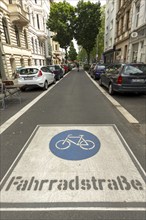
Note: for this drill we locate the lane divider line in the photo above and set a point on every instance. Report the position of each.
(117, 105)
(11, 120)
(73, 208)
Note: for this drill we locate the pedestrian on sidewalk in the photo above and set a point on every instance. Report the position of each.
(78, 66)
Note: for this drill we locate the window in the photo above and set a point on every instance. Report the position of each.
(10, 1)
(122, 24)
(137, 15)
(142, 44)
(56, 47)
(17, 36)
(5, 28)
(25, 39)
(32, 43)
(111, 25)
(38, 23)
(36, 1)
(127, 20)
(36, 46)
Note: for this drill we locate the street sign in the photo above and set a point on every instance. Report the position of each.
(74, 166)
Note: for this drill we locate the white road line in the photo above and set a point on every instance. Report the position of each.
(73, 208)
(123, 111)
(11, 120)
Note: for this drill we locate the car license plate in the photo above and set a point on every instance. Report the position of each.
(28, 78)
(138, 80)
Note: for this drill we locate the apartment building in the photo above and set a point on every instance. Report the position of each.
(38, 32)
(123, 29)
(110, 24)
(24, 37)
(127, 41)
(15, 48)
(137, 41)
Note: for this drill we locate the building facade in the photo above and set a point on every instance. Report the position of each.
(15, 44)
(127, 41)
(24, 37)
(123, 29)
(137, 41)
(110, 24)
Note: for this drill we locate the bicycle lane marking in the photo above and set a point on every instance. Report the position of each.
(40, 179)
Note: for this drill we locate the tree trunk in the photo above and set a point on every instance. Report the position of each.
(88, 57)
(66, 57)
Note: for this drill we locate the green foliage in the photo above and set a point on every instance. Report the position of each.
(61, 22)
(87, 25)
(72, 52)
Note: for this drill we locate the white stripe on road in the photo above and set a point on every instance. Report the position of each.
(123, 111)
(10, 121)
(73, 208)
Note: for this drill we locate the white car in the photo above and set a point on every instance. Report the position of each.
(39, 76)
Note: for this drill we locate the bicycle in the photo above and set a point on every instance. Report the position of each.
(80, 141)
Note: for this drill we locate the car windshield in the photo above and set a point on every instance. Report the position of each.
(28, 71)
(130, 70)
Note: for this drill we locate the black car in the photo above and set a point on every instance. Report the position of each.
(124, 78)
(57, 70)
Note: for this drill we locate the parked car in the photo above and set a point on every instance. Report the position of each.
(57, 70)
(96, 72)
(35, 76)
(124, 78)
(65, 67)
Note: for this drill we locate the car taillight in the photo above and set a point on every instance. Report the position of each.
(119, 80)
(40, 73)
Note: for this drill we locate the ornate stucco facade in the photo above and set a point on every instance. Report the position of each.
(24, 37)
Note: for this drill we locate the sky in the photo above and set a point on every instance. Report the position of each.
(74, 2)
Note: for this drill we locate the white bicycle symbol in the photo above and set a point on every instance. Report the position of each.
(77, 140)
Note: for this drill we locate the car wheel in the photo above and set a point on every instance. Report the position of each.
(94, 77)
(110, 89)
(100, 82)
(22, 89)
(54, 81)
(45, 85)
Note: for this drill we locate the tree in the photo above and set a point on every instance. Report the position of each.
(61, 22)
(100, 37)
(72, 52)
(87, 25)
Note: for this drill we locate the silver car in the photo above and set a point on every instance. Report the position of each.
(39, 76)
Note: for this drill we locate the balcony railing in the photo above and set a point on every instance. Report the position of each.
(18, 15)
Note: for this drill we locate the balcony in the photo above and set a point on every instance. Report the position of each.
(18, 15)
(42, 36)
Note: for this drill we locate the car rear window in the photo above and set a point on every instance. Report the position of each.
(51, 68)
(141, 67)
(57, 67)
(131, 70)
(101, 67)
(28, 71)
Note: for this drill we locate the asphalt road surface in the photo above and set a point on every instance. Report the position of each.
(72, 153)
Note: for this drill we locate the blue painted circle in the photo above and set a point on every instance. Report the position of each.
(74, 145)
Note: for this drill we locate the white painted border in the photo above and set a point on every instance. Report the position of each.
(117, 105)
(75, 208)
